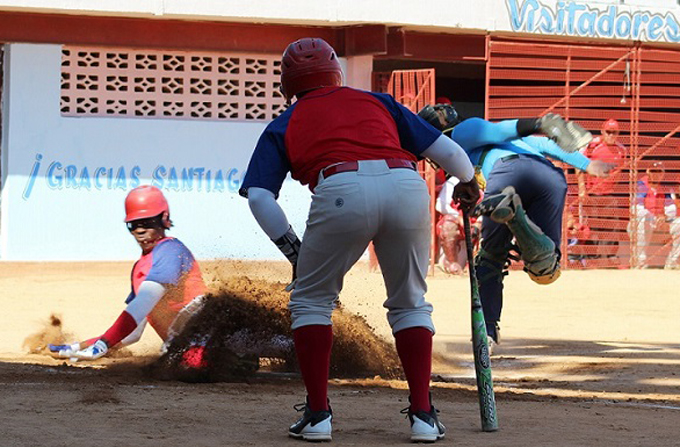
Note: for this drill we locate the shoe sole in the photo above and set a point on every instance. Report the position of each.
(485, 207)
(502, 215)
(313, 437)
(428, 438)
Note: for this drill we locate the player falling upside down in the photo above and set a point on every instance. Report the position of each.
(356, 150)
(524, 194)
(167, 288)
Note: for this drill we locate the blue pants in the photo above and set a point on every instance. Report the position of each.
(542, 188)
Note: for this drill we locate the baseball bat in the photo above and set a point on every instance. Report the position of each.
(480, 344)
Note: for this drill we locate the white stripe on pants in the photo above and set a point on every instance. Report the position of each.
(348, 210)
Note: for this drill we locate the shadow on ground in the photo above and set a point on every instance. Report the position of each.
(570, 368)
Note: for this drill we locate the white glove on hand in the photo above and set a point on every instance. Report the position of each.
(64, 351)
(97, 350)
(600, 168)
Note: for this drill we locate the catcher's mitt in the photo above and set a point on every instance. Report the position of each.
(568, 135)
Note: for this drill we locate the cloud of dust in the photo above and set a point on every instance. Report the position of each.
(245, 326)
(51, 332)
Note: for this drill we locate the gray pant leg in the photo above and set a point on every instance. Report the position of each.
(402, 246)
(336, 237)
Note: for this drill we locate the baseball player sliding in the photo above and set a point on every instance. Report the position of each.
(524, 193)
(356, 150)
(167, 288)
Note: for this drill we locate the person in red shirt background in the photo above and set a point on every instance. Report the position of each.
(655, 209)
(601, 192)
(449, 228)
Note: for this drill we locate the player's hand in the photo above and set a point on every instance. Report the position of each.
(93, 352)
(64, 351)
(600, 168)
(466, 195)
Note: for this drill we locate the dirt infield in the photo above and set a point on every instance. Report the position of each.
(593, 360)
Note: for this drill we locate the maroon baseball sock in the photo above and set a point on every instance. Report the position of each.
(414, 346)
(313, 347)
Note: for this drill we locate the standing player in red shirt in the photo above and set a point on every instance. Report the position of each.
(600, 192)
(357, 151)
(167, 287)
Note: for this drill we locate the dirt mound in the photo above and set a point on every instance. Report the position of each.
(245, 326)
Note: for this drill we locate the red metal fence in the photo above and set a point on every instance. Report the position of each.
(631, 219)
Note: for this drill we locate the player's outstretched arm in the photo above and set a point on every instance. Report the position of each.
(147, 297)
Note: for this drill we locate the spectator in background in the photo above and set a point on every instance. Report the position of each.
(577, 234)
(449, 228)
(600, 192)
(655, 210)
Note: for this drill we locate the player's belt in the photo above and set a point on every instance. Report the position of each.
(350, 166)
(508, 158)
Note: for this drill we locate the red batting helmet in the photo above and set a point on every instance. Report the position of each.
(145, 202)
(611, 125)
(307, 64)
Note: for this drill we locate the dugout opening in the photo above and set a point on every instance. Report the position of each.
(462, 82)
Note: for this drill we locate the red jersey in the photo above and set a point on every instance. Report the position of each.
(599, 150)
(171, 264)
(653, 197)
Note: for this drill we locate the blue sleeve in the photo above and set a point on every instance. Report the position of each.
(171, 260)
(548, 147)
(641, 192)
(668, 200)
(476, 132)
(415, 134)
(269, 163)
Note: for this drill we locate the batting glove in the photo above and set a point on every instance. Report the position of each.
(466, 195)
(568, 135)
(97, 350)
(290, 244)
(64, 351)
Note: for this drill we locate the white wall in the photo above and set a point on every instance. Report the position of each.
(45, 218)
(481, 15)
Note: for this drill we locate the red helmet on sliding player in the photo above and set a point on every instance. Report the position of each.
(145, 202)
(307, 64)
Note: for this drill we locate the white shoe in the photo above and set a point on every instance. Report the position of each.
(425, 426)
(313, 425)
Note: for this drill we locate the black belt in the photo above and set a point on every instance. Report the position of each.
(508, 157)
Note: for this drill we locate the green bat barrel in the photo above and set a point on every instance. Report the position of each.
(480, 345)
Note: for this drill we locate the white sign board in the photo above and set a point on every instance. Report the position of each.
(66, 178)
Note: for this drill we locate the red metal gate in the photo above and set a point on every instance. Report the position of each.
(605, 225)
